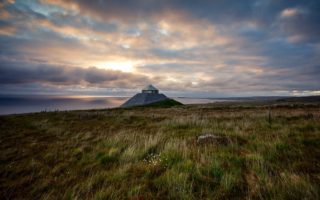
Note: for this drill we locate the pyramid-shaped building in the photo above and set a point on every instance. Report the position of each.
(148, 95)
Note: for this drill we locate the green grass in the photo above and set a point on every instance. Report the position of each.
(152, 153)
(161, 104)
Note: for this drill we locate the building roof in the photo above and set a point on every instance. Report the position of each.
(150, 87)
(144, 99)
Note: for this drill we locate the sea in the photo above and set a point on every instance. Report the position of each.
(18, 104)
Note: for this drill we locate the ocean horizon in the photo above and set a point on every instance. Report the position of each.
(18, 104)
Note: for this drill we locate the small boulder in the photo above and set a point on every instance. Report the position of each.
(212, 139)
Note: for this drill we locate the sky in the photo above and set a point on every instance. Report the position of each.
(207, 48)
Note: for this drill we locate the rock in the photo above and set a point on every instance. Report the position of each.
(212, 139)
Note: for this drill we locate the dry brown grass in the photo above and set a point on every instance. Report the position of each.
(151, 153)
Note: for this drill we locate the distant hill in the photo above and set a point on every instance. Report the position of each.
(301, 99)
(270, 98)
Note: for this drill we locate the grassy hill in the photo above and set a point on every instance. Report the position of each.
(152, 153)
(161, 104)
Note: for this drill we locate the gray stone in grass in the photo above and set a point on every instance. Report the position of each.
(212, 139)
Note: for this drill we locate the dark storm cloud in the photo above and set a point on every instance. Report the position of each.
(20, 73)
(303, 23)
(4, 24)
(78, 21)
(222, 12)
(128, 10)
(23, 12)
(217, 10)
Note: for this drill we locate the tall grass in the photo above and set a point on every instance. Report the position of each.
(152, 153)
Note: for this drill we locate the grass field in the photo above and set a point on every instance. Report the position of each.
(272, 152)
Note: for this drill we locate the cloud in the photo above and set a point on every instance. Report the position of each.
(6, 28)
(301, 24)
(22, 73)
(291, 12)
(217, 46)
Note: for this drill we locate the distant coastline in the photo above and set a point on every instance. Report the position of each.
(18, 104)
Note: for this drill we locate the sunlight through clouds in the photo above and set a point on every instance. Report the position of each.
(124, 66)
(207, 47)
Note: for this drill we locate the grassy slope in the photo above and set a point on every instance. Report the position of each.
(161, 104)
(151, 153)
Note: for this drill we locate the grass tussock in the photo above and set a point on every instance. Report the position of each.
(152, 153)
